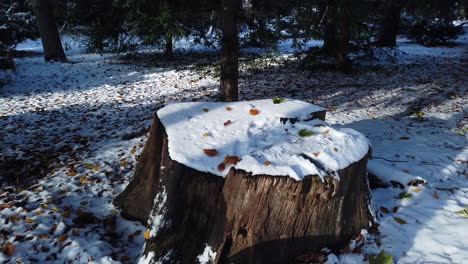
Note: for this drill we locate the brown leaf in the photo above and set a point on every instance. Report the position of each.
(14, 218)
(316, 154)
(400, 221)
(229, 108)
(75, 232)
(227, 123)
(395, 209)
(9, 250)
(210, 152)
(436, 195)
(43, 236)
(404, 138)
(335, 149)
(231, 160)
(326, 131)
(384, 210)
(83, 179)
(267, 163)
(319, 125)
(206, 134)
(52, 229)
(254, 112)
(206, 109)
(62, 238)
(221, 166)
(29, 220)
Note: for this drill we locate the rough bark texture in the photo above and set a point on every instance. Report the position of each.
(230, 50)
(169, 50)
(337, 32)
(245, 219)
(390, 24)
(44, 11)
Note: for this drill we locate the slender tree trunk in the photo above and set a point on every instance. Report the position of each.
(44, 10)
(337, 32)
(230, 50)
(169, 48)
(390, 24)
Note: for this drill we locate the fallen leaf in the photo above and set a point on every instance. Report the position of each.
(267, 163)
(83, 179)
(89, 166)
(29, 220)
(66, 214)
(316, 154)
(133, 151)
(406, 171)
(14, 218)
(39, 212)
(221, 166)
(206, 109)
(227, 123)
(335, 149)
(400, 221)
(463, 212)
(206, 134)
(44, 205)
(9, 249)
(210, 152)
(404, 138)
(278, 100)
(381, 258)
(416, 190)
(305, 133)
(405, 195)
(318, 125)
(231, 160)
(147, 234)
(62, 238)
(254, 112)
(420, 114)
(395, 209)
(75, 232)
(43, 236)
(326, 131)
(229, 108)
(384, 210)
(436, 195)
(96, 168)
(72, 172)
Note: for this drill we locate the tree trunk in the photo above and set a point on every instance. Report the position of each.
(169, 49)
(230, 50)
(390, 24)
(337, 32)
(244, 219)
(44, 10)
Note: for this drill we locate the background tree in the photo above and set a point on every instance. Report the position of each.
(46, 11)
(230, 50)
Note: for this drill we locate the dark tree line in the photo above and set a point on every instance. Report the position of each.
(344, 25)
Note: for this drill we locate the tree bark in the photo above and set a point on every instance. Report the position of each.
(338, 32)
(44, 10)
(230, 50)
(244, 218)
(390, 24)
(169, 47)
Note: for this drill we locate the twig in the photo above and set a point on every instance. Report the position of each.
(389, 160)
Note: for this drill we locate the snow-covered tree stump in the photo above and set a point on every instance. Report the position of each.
(247, 182)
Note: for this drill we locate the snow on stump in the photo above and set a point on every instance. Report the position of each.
(247, 182)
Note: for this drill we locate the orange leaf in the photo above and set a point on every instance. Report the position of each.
(231, 160)
(147, 234)
(221, 166)
(40, 212)
(29, 220)
(326, 131)
(229, 108)
(83, 179)
(227, 123)
(211, 152)
(267, 163)
(254, 112)
(316, 154)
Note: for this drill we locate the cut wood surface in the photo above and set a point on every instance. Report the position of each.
(241, 218)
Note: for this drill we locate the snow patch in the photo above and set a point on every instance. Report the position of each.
(208, 255)
(266, 137)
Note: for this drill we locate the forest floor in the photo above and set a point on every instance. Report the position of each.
(71, 134)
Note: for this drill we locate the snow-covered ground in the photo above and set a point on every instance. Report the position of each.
(83, 124)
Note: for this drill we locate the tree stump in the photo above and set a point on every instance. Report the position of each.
(247, 209)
